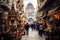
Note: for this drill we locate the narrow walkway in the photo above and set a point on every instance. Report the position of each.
(33, 35)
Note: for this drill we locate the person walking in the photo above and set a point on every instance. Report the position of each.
(32, 27)
(41, 30)
(27, 28)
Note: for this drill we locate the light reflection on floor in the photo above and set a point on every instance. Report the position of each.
(33, 35)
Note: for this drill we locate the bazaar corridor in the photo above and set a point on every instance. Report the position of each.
(29, 19)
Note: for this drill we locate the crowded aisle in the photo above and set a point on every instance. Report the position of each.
(29, 19)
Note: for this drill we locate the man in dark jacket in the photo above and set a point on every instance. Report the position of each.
(27, 28)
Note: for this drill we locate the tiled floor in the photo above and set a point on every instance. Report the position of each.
(33, 35)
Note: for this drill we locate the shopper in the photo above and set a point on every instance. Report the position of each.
(27, 28)
(40, 30)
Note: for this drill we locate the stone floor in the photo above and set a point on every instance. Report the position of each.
(33, 35)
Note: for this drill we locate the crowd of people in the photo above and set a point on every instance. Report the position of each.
(35, 26)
